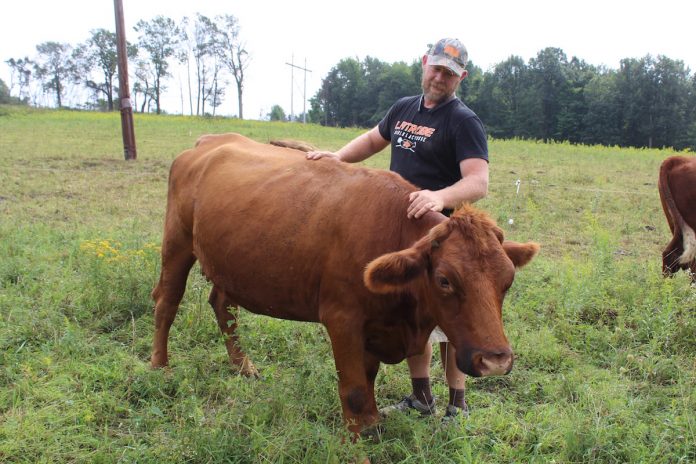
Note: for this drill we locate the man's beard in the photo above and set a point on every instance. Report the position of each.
(434, 94)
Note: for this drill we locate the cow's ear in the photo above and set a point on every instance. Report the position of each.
(393, 271)
(520, 253)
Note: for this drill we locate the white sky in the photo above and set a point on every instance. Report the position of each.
(322, 32)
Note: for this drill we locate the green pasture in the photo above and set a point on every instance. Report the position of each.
(605, 368)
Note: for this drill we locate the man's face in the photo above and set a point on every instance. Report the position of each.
(439, 83)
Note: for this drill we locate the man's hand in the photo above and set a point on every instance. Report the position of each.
(423, 201)
(317, 154)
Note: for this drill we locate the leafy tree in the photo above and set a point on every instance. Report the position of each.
(373, 71)
(574, 106)
(216, 94)
(669, 122)
(603, 120)
(5, 97)
(202, 43)
(636, 100)
(100, 52)
(208, 66)
(144, 75)
(160, 38)
(646, 102)
(356, 93)
(396, 81)
(55, 67)
(188, 46)
(277, 113)
(317, 103)
(654, 99)
(232, 51)
(21, 71)
(472, 81)
(691, 116)
(347, 81)
(502, 97)
(549, 82)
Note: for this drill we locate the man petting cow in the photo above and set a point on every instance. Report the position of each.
(438, 144)
(303, 240)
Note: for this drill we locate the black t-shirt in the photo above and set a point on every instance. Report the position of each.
(428, 144)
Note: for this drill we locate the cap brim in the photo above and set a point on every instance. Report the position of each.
(434, 60)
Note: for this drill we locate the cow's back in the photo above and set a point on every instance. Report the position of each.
(279, 232)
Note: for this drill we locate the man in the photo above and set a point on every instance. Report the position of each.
(438, 144)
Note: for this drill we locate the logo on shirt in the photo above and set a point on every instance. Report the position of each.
(409, 134)
(405, 144)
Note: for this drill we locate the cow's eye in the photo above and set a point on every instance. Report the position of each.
(444, 283)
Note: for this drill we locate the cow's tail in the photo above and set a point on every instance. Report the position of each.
(678, 222)
(689, 245)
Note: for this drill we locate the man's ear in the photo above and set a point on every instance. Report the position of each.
(520, 253)
(393, 271)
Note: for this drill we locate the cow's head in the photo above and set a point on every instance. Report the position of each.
(460, 272)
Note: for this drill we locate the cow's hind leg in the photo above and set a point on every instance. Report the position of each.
(228, 325)
(177, 260)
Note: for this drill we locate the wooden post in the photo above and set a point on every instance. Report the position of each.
(123, 90)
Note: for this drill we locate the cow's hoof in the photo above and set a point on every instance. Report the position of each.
(373, 432)
(158, 362)
(247, 369)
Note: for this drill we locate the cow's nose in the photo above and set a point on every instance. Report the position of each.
(492, 363)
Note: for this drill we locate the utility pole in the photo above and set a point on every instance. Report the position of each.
(127, 131)
(304, 92)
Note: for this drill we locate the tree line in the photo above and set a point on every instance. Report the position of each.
(210, 49)
(646, 102)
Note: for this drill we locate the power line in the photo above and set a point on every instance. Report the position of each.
(292, 85)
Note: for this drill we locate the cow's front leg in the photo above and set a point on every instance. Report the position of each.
(228, 325)
(357, 371)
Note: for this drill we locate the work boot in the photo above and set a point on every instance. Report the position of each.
(410, 403)
(453, 414)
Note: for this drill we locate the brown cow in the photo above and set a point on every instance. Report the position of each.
(677, 186)
(324, 241)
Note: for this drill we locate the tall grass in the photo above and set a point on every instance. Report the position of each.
(605, 346)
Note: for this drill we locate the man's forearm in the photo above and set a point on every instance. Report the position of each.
(362, 147)
(467, 190)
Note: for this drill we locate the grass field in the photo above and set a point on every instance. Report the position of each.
(605, 348)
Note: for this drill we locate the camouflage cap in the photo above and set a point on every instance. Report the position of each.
(450, 53)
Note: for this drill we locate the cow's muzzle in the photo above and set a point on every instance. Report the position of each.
(478, 363)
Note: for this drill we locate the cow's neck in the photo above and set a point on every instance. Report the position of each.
(399, 329)
(413, 230)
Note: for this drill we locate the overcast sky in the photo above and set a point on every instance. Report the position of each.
(601, 32)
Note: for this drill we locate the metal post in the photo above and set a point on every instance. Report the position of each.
(127, 131)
